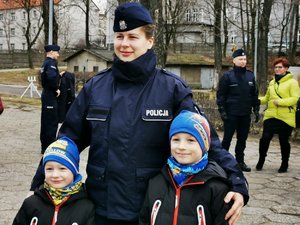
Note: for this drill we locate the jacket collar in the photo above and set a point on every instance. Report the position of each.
(136, 71)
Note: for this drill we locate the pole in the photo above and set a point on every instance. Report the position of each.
(256, 39)
(50, 34)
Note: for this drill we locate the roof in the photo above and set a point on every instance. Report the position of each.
(17, 4)
(99, 53)
(191, 59)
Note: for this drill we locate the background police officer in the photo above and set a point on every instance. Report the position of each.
(50, 79)
(237, 95)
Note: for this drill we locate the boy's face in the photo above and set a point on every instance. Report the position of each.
(185, 149)
(57, 175)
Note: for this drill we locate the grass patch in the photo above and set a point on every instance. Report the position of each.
(21, 103)
(17, 77)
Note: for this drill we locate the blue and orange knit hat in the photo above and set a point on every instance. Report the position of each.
(65, 152)
(194, 124)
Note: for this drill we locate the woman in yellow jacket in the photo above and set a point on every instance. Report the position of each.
(279, 118)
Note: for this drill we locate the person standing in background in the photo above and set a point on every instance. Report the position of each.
(279, 117)
(67, 94)
(237, 97)
(50, 79)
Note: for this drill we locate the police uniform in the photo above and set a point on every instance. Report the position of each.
(237, 97)
(50, 82)
(124, 114)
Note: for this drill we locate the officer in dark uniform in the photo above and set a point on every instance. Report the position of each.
(124, 114)
(50, 79)
(67, 94)
(237, 97)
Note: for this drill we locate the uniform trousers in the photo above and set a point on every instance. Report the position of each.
(49, 125)
(240, 124)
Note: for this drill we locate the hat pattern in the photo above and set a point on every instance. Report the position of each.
(194, 124)
(65, 152)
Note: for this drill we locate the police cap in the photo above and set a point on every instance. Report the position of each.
(238, 52)
(49, 48)
(129, 16)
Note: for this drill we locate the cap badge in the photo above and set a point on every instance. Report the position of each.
(122, 24)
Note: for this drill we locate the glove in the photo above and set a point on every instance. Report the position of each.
(257, 116)
(223, 115)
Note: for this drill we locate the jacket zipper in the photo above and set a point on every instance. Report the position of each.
(56, 208)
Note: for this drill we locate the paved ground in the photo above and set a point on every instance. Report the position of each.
(275, 198)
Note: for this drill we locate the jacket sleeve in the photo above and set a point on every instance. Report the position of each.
(52, 76)
(229, 164)
(219, 207)
(222, 92)
(21, 217)
(144, 216)
(255, 100)
(75, 125)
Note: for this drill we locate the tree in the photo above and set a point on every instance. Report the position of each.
(263, 31)
(6, 28)
(217, 39)
(31, 35)
(294, 29)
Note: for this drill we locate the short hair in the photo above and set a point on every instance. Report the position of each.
(281, 60)
(149, 30)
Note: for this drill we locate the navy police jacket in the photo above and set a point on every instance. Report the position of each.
(50, 81)
(237, 92)
(124, 115)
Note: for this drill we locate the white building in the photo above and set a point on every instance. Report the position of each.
(69, 14)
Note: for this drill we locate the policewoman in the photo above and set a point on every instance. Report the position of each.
(123, 114)
(237, 98)
(50, 82)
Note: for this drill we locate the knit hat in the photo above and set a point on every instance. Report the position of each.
(194, 124)
(49, 48)
(129, 16)
(238, 52)
(65, 152)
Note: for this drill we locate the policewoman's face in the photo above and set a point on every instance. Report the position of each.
(129, 45)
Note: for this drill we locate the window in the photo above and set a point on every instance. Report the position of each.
(12, 32)
(76, 68)
(34, 30)
(23, 45)
(1, 16)
(13, 16)
(34, 14)
(1, 46)
(12, 46)
(24, 15)
(1, 32)
(95, 69)
(188, 15)
(23, 30)
(195, 15)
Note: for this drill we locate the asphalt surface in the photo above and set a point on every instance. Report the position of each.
(274, 197)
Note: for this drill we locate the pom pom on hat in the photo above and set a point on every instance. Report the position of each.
(238, 52)
(129, 16)
(49, 48)
(65, 152)
(194, 124)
